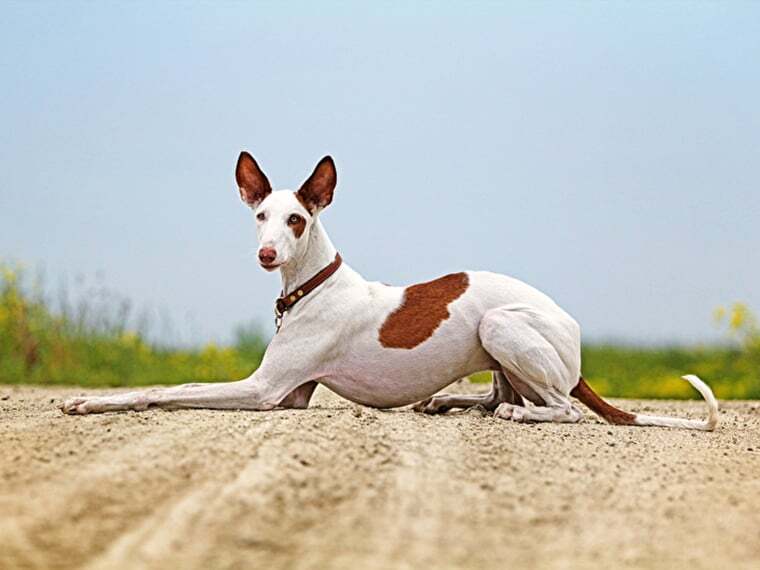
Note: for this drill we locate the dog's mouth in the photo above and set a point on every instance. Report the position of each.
(270, 266)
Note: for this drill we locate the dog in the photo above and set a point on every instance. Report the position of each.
(385, 346)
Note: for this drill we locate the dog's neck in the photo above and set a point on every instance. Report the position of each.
(319, 253)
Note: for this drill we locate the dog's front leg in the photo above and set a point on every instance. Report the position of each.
(250, 394)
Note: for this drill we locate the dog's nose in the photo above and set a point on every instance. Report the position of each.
(267, 255)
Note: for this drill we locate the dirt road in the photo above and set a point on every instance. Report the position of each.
(339, 486)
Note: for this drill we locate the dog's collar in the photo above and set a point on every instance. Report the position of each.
(285, 302)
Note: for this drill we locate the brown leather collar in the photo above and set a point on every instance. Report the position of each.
(285, 302)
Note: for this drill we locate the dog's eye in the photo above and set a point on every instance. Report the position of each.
(261, 216)
(294, 219)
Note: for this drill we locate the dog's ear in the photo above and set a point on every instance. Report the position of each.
(317, 192)
(252, 183)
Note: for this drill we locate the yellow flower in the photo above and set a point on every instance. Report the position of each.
(738, 316)
(210, 350)
(9, 275)
(128, 337)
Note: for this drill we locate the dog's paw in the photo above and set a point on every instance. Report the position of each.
(430, 406)
(76, 406)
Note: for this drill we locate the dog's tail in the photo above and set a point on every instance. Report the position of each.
(614, 415)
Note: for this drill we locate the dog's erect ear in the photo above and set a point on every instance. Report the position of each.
(253, 185)
(317, 191)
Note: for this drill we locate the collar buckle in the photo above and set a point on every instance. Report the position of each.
(285, 302)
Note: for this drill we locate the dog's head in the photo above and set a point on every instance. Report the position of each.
(284, 218)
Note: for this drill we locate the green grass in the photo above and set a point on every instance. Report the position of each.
(91, 343)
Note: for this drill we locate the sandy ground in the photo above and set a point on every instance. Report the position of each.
(340, 486)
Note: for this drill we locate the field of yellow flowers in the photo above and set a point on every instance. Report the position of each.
(92, 344)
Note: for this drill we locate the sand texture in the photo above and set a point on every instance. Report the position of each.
(343, 486)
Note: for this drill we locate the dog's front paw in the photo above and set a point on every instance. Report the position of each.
(77, 406)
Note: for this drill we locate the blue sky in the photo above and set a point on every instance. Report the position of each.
(608, 154)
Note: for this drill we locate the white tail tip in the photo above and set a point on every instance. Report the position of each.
(705, 425)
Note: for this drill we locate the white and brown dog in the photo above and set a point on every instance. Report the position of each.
(386, 346)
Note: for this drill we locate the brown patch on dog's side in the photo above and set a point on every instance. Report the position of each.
(424, 308)
(610, 413)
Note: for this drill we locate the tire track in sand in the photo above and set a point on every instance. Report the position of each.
(277, 498)
(75, 511)
(338, 486)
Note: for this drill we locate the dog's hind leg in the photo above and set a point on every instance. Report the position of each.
(501, 391)
(540, 354)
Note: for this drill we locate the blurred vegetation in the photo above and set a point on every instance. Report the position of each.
(89, 342)
(98, 341)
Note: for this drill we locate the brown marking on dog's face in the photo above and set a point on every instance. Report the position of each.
(297, 224)
(423, 309)
(317, 192)
(251, 181)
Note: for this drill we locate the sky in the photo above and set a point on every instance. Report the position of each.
(606, 153)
